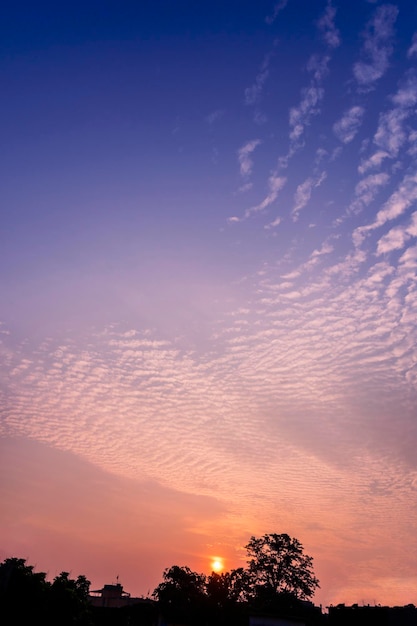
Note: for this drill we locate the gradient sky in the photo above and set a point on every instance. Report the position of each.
(209, 292)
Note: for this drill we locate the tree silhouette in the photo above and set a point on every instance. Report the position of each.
(69, 600)
(182, 594)
(19, 582)
(27, 597)
(278, 565)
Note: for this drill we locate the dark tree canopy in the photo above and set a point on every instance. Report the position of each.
(181, 595)
(65, 601)
(278, 574)
(277, 564)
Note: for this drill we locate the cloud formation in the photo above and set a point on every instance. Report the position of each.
(278, 7)
(377, 46)
(275, 184)
(347, 127)
(303, 193)
(327, 25)
(254, 92)
(245, 160)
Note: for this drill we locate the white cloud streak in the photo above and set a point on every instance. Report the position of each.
(412, 50)
(366, 191)
(312, 96)
(397, 237)
(391, 133)
(254, 92)
(377, 46)
(396, 205)
(275, 184)
(279, 6)
(303, 193)
(327, 25)
(347, 127)
(244, 158)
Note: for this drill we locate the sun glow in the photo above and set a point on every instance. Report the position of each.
(217, 564)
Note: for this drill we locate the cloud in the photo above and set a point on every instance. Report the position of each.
(412, 50)
(346, 128)
(214, 116)
(275, 184)
(253, 93)
(244, 188)
(406, 96)
(396, 238)
(366, 191)
(399, 201)
(391, 133)
(273, 224)
(312, 95)
(303, 193)
(377, 46)
(373, 162)
(326, 24)
(244, 153)
(279, 6)
(300, 116)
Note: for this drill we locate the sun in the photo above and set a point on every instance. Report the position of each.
(217, 564)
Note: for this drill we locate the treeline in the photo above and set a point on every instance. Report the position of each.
(277, 583)
(27, 598)
(279, 577)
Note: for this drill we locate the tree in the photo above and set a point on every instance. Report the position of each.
(26, 597)
(278, 565)
(69, 599)
(226, 598)
(181, 595)
(277, 577)
(18, 581)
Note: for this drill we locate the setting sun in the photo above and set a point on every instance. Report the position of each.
(217, 564)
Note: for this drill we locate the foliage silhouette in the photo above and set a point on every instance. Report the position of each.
(278, 565)
(27, 597)
(182, 594)
(278, 577)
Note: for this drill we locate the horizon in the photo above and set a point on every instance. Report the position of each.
(208, 259)
(150, 595)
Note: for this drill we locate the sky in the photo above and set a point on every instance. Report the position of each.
(209, 294)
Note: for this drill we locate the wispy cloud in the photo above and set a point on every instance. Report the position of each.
(391, 133)
(396, 238)
(300, 116)
(254, 92)
(377, 46)
(366, 191)
(212, 117)
(279, 6)
(275, 184)
(373, 162)
(273, 224)
(244, 188)
(303, 193)
(396, 205)
(244, 158)
(346, 128)
(327, 25)
(412, 50)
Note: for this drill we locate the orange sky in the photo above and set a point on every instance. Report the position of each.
(64, 513)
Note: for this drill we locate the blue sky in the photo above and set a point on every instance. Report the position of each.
(208, 268)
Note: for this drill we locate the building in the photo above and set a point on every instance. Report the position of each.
(110, 596)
